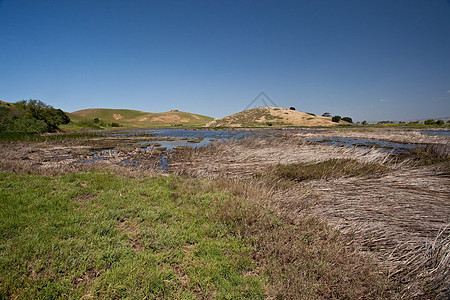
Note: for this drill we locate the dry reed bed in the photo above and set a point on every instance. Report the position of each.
(391, 135)
(403, 217)
(251, 156)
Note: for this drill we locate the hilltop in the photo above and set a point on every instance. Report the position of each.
(272, 116)
(135, 118)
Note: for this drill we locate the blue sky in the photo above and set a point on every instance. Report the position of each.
(371, 60)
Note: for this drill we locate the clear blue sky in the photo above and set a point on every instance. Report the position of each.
(371, 60)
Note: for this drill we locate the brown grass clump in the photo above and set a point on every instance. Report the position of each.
(301, 259)
(430, 264)
(332, 168)
(430, 154)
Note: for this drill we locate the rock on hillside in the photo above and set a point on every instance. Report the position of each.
(272, 116)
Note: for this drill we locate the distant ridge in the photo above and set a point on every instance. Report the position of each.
(136, 118)
(272, 116)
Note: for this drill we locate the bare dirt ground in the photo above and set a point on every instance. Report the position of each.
(401, 219)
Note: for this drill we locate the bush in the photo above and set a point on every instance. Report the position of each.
(327, 114)
(347, 119)
(26, 125)
(429, 122)
(364, 122)
(439, 122)
(35, 113)
(311, 114)
(292, 108)
(336, 119)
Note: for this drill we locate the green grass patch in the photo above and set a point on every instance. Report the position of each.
(332, 168)
(101, 235)
(35, 137)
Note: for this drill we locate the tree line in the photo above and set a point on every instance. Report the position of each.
(30, 116)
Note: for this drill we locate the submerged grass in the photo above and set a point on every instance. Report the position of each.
(332, 168)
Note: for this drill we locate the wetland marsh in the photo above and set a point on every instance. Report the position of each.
(295, 205)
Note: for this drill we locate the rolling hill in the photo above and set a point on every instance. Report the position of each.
(272, 116)
(135, 118)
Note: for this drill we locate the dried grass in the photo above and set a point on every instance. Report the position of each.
(332, 168)
(302, 258)
(397, 217)
(247, 157)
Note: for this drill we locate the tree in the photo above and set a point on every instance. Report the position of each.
(429, 122)
(36, 110)
(439, 122)
(292, 108)
(336, 119)
(347, 119)
(327, 114)
(364, 122)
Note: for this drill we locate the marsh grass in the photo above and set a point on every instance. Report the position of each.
(96, 234)
(332, 168)
(33, 137)
(301, 259)
(430, 154)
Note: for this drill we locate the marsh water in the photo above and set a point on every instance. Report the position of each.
(171, 138)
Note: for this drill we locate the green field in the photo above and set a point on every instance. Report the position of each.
(99, 234)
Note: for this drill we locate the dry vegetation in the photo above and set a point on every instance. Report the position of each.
(396, 209)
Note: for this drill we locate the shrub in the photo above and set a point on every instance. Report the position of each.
(429, 122)
(439, 122)
(292, 108)
(311, 114)
(327, 114)
(347, 119)
(336, 119)
(38, 111)
(364, 122)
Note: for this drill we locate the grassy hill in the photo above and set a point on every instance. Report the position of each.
(272, 116)
(135, 118)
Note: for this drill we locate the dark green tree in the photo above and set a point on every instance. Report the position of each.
(347, 119)
(336, 119)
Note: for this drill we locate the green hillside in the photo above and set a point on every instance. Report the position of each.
(135, 118)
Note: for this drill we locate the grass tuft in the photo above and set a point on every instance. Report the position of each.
(332, 168)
